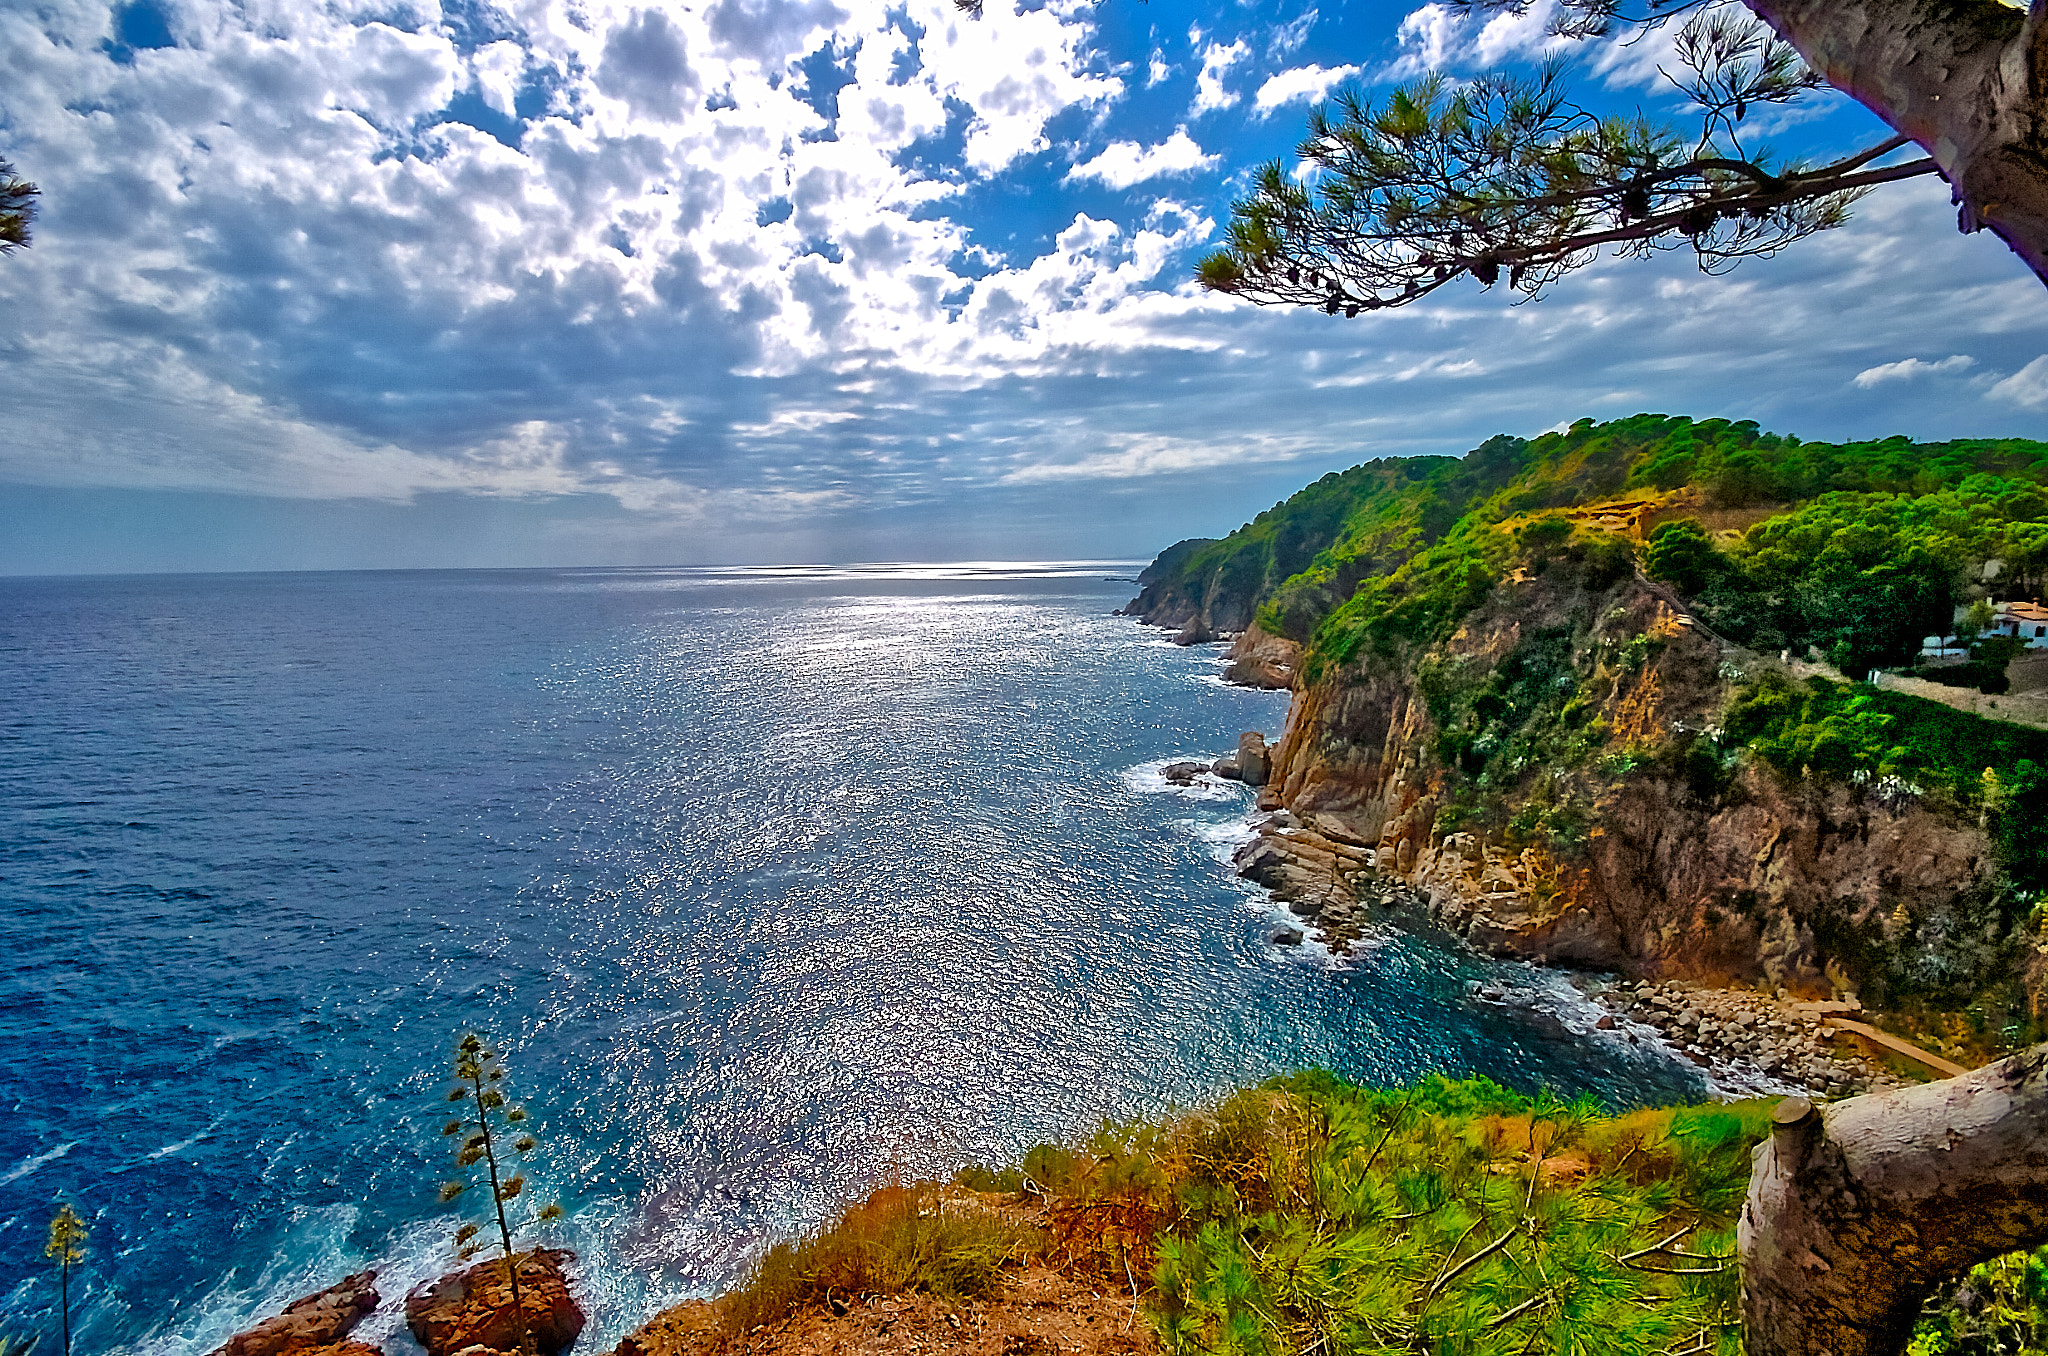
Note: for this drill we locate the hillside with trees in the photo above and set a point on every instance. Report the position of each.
(1601, 696)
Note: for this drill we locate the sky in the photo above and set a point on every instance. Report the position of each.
(385, 284)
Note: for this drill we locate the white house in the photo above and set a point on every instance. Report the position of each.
(2023, 621)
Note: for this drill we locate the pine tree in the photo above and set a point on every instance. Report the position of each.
(67, 1249)
(477, 1076)
(17, 208)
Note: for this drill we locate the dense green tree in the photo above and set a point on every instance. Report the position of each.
(1683, 556)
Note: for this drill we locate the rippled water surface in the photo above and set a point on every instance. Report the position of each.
(772, 882)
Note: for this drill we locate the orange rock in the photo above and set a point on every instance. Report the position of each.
(316, 1323)
(340, 1349)
(473, 1308)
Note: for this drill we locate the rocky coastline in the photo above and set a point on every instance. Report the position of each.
(1747, 1041)
(1337, 884)
(1640, 847)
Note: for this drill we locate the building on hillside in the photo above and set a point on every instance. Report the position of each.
(2024, 622)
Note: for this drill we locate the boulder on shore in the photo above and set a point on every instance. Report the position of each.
(1254, 759)
(318, 1321)
(473, 1308)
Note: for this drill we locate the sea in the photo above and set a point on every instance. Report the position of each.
(770, 885)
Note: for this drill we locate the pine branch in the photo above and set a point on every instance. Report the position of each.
(1540, 1297)
(1436, 1287)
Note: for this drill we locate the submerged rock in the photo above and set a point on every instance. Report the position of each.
(1182, 774)
(317, 1322)
(473, 1308)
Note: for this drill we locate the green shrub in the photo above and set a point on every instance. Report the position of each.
(1997, 1309)
(1683, 556)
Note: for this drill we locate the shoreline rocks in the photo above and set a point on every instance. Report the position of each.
(1333, 888)
(1781, 1040)
(473, 1308)
(318, 1322)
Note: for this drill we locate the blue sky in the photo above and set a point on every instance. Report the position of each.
(376, 283)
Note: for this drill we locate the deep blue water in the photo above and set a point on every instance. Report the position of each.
(771, 882)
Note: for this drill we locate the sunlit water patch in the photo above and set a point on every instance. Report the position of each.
(773, 882)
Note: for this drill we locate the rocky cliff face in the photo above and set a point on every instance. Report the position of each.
(1260, 660)
(1198, 609)
(1744, 879)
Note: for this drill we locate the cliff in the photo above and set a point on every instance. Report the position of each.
(1563, 760)
(1658, 864)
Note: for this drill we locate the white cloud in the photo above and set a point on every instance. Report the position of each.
(1217, 61)
(1123, 163)
(1143, 457)
(1509, 36)
(646, 63)
(1429, 39)
(1288, 37)
(498, 67)
(391, 76)
(2028, 387)
(1157, 72)
(1907, 368)
(1436, 37)
(1303, 84)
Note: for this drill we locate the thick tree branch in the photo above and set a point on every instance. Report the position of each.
(1857, 1211)
(1963, 78)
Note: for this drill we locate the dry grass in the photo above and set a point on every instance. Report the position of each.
(901, 1238)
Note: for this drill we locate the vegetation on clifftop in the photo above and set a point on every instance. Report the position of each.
(1855, 547)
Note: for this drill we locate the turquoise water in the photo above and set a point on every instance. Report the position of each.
(771, 882)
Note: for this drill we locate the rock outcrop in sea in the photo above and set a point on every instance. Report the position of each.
(317, 1325)
(471, 1309)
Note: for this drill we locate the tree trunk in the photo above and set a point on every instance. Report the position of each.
(1964, 78)
(1858, 1210)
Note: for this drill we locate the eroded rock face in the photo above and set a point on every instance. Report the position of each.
(473, 1308)
(318, 1322)
(1738, 886)
(1260, 660)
